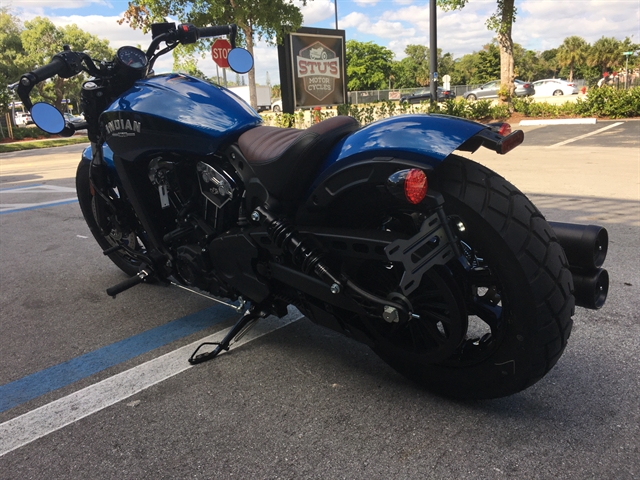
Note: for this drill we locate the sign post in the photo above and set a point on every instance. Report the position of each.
(626, 70)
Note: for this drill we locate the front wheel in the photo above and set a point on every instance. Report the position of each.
(472, 97)
(498, 325)
(110, 229)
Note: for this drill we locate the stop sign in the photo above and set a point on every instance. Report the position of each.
(219, 51)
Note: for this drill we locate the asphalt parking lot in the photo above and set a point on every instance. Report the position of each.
(92, 387)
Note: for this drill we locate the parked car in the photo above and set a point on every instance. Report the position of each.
(553, 87)
(276, 106)
(22, 119)
(425, 95)
(73, 118)
(490, 90)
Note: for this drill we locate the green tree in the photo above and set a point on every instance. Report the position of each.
(605, 53)
(10, 50)
(413, 70)
(487, 64)
(41, 40)
(501, 22)
(549, 63)
(255, 18)
(369, 66)
(572, 52)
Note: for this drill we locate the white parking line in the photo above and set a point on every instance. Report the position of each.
(49, 418)
(585, 135)
(13, 207)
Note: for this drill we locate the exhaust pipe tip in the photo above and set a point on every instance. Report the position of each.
(585, 245)
(591, 289)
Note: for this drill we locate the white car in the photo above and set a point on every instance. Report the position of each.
(553, 87)
(276, 106)
(22, 119)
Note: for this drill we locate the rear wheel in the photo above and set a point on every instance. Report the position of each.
(558, 93)
(109, 229)
(492, 329)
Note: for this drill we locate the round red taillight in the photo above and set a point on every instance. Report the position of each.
(415, 186)
(505, 129)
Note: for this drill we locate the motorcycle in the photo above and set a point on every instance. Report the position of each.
(382, 233)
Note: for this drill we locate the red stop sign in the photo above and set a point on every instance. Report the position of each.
(219, 51)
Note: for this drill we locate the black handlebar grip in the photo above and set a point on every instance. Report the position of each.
(215, 31)
(57, 65)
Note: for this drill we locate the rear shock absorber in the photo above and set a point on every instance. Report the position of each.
(303, 256)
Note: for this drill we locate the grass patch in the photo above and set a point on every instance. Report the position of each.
(30, 145)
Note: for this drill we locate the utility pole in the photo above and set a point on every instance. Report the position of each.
(433, 52)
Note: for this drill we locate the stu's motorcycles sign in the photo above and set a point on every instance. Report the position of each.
(317, 67)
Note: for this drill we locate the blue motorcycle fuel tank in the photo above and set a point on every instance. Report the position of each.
(177, 113)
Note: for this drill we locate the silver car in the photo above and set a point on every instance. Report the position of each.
(490, 90)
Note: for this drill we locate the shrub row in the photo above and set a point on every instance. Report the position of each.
(23, 133)
(599, 102)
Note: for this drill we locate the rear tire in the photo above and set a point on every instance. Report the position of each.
(117, 234)
(558, 93)
(522, 289)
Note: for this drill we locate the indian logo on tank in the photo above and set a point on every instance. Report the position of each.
(319, 67)
(122, 128)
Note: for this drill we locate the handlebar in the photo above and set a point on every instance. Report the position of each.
(56, 66)
(68, 63)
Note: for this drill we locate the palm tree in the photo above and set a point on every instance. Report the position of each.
(572, 51)
(605, 53)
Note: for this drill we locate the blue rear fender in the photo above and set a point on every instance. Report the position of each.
(404, 141)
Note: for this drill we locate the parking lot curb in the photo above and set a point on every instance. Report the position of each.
(559, 121)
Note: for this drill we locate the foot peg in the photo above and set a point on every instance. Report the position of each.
(243, 325)
(140, 277)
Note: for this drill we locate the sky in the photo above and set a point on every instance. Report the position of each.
(540, 24)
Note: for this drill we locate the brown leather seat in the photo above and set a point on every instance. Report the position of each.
(286, 159)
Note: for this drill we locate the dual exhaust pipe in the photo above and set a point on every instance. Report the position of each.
(586, 249)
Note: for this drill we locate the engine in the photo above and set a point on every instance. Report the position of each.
(199, 199)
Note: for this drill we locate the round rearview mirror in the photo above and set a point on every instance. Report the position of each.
(240, 60)
(47, 117)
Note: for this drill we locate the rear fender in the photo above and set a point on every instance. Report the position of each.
(376, 151)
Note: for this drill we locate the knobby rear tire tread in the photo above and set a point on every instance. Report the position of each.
(534, 244)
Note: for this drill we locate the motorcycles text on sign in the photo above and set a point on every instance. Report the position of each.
(446, 270)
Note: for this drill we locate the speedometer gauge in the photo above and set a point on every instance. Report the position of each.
(132, 57)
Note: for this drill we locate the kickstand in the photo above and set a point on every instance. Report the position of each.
(252, 315)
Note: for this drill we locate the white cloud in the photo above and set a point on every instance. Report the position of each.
(364, 3)
(66, 4)
(381, 28)
(316, 11)
(541, 25)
